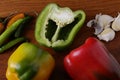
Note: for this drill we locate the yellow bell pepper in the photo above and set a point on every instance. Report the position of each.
(29, 62)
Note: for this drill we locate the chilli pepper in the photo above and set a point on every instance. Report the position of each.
(8, 32)
(11, 43)
(1, 27)
(92, 61)
(14, 28)
(19, 30)
(15, 18)
(56, 27)
(29, 62)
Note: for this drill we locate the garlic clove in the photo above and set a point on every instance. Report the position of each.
(116, 23)
(100, 22)
(98, 29)
(107, 35)
(107, 26)
(91, 23)
(97, 16)
(105, 20)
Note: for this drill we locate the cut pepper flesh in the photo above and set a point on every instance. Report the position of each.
(56, 27)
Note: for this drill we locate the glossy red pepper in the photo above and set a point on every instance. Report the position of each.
(92, 61)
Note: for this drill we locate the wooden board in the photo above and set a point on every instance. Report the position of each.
(91, 8)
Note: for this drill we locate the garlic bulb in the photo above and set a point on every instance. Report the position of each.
(102, 26)
(100, 22)
(105, 20)
(107, 34)
(116, 23)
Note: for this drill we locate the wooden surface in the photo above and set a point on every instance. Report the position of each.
(91, 8)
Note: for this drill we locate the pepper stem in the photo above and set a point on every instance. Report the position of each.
(55, 36)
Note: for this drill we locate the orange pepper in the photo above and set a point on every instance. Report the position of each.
(15, 18)
(1, 28)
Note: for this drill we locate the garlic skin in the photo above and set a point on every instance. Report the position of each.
(107, 34)
(91, 23)
(116, 23)
(98, 29)
(105, 20)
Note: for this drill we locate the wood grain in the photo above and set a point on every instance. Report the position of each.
(91, 8)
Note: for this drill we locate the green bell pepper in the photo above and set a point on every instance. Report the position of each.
(56, 27)
(29, 62)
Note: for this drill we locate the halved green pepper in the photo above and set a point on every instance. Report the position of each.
(29, 62)
(56, 27)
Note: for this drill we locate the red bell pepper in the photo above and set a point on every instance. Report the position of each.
(92, 61)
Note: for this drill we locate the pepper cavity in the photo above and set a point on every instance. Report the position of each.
(62, 16)
(63, 31)
(56, 27)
